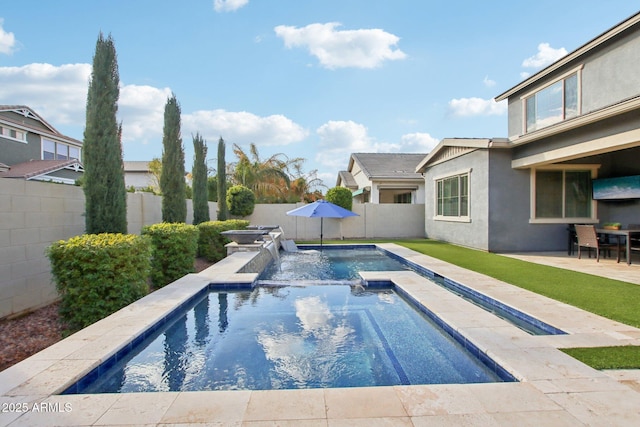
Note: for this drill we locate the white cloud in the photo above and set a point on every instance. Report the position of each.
(7, 40)
(465, 107)
(57, 93)
(228, 5)
(243, 127)
(545, 56)
(338, 139)
(141, 109)
(365, 48)
(488, 82)
(417, 143)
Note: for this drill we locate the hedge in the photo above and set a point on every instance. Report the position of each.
(211, 242)
(174, 251)
(98, 274)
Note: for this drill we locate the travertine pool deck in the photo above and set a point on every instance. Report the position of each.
(553, 389)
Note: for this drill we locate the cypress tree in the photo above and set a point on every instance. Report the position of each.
(172, 185)
(104, 189)
(200, 185)
(222, 181)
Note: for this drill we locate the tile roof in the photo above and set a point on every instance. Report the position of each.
(34, 168)
(389, 165)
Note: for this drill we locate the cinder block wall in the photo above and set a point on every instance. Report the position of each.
(32, 216)
(35, 214)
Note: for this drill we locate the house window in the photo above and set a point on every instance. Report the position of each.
(53, 150)
(563, 194)
(402, 198)
(48, 149)
(452, 196)
(553, 104)
(12, 133)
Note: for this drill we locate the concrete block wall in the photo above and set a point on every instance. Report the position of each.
(373, 221)
(32, 216)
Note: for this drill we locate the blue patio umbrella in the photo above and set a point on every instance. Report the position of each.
(321, 209)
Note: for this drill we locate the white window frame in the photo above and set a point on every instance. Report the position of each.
(5, 132)
(523, 99)
(448, 218)
(568, 220)
(55, 152)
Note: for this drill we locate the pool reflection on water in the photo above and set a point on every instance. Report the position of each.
(288, 337)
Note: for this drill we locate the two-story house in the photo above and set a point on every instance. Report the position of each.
(570, 125)
(32, 149)
(383, 178)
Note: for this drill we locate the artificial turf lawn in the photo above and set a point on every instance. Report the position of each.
(626, 357)
(613, 299)
(609, 298)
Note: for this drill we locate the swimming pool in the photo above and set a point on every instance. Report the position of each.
(200, 347)
(289, 337)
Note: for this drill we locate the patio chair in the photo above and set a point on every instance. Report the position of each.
(634, 241)
(588, 238)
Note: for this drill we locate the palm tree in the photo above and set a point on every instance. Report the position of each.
(269, 179)
(304, 188)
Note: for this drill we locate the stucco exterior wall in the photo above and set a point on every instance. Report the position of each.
(138, 179)
(13, 152)
(509, 229)
(499, 204)
(473, 233)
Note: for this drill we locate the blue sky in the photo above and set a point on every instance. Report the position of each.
(311, 79)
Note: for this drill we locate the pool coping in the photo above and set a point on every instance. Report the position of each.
(553, 386)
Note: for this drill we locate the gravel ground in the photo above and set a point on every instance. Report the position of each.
(26, 335)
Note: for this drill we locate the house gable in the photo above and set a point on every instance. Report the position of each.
(384, 177)
(26, 136)
(26, 118)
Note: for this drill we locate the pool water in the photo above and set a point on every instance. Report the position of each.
(291, 337)
(329, 264)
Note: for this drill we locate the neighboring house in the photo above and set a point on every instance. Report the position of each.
(383, 178)
(32, 149)
(570, 124)
(138, 175)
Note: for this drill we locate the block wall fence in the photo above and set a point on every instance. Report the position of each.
(35, 214)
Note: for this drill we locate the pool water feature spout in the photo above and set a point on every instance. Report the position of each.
(273, 249)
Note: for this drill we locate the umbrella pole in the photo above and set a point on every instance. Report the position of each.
(321, 222)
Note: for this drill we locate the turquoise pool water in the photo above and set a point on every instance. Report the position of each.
(288, 337)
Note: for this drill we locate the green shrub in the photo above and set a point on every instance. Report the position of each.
(98, 274)
(340, 196)
(174, 251)
(240, 200)
(211, 242)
